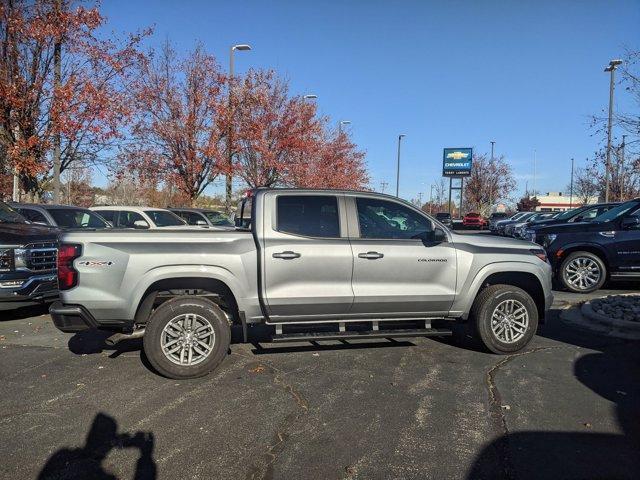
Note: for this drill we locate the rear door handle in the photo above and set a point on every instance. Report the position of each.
(288, 255)
(370, 255)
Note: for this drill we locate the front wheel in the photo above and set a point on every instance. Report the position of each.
(583, 272)
(506, 318)
(186, 337)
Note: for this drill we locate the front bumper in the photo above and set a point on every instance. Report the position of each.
(34, 290)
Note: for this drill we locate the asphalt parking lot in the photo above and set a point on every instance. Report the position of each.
(568, 407)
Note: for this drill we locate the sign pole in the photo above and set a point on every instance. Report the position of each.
(450, 187)
(461, 191)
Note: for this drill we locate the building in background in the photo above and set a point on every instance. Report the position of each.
(557, 202)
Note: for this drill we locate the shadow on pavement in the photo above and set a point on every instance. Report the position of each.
(25, 312)
(86, 462)
(614, 374)
(93, 341)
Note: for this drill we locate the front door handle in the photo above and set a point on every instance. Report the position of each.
(370, 255)
(288, 255)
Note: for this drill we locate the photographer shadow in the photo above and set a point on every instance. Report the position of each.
(86, 462)
(613, 374)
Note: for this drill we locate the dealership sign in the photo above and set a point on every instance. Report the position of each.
(457, 162)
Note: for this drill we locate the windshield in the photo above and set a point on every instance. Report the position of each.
(9, 215)
(77, 218)
(441, 216)
(570, 213)
(164, 219)
(218, 219)
(617, 211)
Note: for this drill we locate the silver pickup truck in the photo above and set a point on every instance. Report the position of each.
(313, 264)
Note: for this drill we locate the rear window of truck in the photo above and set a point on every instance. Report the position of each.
(308, 215)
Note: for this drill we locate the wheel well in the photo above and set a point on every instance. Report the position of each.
(163, 290)
(524, 280)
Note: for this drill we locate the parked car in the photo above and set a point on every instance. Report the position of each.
(61, 216)
(27, 261)
(498, 226)
(496, 217)
(474, 220)
(143, 218)
(584, 254)
(581, 214)
(445, 219)
(518, 229)
(299, 259)
(203, 217)
(506, 227)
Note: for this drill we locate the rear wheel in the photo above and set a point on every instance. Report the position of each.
(187, 337)
(583, 272)
(506, 318)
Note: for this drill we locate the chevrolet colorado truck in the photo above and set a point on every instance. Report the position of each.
(313, 265)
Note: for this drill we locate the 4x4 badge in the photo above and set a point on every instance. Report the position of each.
(95, 263)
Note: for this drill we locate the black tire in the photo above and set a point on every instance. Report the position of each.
(482, 311)
(207, 312)
(564, 277)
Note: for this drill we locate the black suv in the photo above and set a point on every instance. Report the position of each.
(27, 261)
(445, 219)
(585, 254)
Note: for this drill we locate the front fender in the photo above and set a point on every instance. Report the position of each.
(470, 288)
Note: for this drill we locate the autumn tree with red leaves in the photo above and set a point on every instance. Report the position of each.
(82, 108)
(179, 127)
(281, 140)
(491, 181)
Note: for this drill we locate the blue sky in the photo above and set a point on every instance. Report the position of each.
(448, 73)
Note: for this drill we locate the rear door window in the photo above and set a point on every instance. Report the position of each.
(108, 215)
(308, 215)
(127, 219)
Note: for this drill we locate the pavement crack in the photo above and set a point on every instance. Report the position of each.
(497, 412)
(265, 471)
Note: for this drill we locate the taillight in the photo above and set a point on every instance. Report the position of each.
(67, 275)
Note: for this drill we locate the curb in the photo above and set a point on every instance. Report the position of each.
(624, 325)
(574, 317)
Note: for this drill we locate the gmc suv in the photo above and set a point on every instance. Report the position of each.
(585, 254)
(313, 264)
(27, 261)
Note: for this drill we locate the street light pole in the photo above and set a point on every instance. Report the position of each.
(622, 148)
(431, 198)
(229, 181)
(571, 188)
(613, 64)
(492, 185)
(400, 137)
(343, 122)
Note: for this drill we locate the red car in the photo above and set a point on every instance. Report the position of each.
(474, 220)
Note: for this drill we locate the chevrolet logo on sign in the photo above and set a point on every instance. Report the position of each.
(456, 162)
(457, 155)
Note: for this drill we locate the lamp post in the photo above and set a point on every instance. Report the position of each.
(492, 186)
(622, 148)
(611, 68)
(431, 198)
(310, 96)
(229, 182)
(400, 137)
(571, 188)
(341, 123)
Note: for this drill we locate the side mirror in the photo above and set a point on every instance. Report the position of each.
(439, 235)
(140, 224)
(630, 223)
